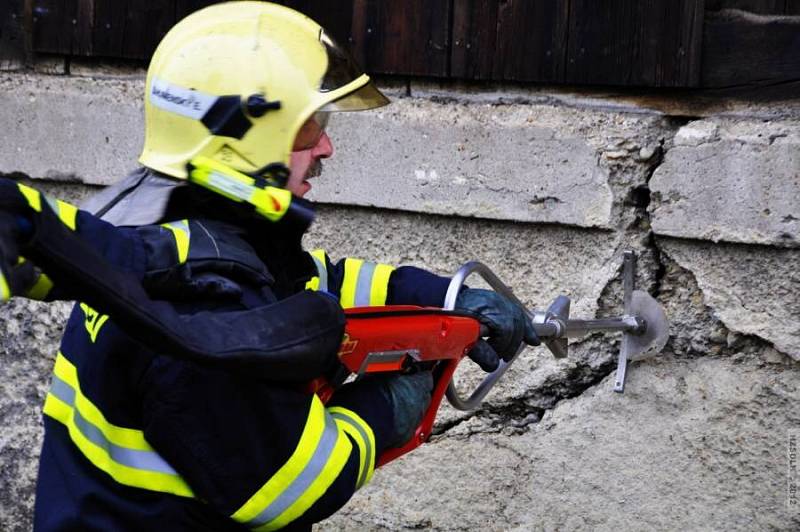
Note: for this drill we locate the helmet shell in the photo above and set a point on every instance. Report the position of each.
(235, 82)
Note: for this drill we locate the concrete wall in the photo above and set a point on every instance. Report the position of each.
(548, 188)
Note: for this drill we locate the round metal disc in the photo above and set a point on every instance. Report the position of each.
(656, 334)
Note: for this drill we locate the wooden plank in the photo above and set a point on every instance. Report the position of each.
(83, 28)
(336, 17)
(403, 36)
(474, 39)
(109, 31)
(186, 7)
(53, 22)
(764, 7)
(635, 42)
(742, 48)
(12, 34)
(531, 40)
(131, 29)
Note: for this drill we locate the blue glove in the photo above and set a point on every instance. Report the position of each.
(508, 326)
(410, 396)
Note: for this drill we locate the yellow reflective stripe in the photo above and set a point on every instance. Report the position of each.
(124, 437)
(67, 213)
(120, 452)
(319, 254)
(182, 234)
(319, 281)
(32, 195)
(313, 284)
(322, 268)
(364, 437)
(5, 290)
(40, 288)
(365, 283)
(315, 464)
(380, 285)
(352, 267)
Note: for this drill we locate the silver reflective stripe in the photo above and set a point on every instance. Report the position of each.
(369, 452)
(323, 274)
(364, 284)
(53, 204)
(298, 487)
(180, 225)
(135, 458)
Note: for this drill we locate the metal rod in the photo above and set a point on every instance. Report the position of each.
(628, 286)
(625, 323)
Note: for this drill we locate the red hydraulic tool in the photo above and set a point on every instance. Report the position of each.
(407, 338)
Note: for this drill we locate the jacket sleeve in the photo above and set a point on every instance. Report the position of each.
(265, 455)
(359, 283)
(121, 247)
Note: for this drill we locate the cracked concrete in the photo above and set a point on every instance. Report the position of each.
(699, 438)
(731, 180)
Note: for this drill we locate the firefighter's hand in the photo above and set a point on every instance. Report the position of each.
(15, 227)
(508, 326)
(15, 276)
(410, 396)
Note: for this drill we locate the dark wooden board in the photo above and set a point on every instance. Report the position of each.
(741, 49)
(54, 23)
(635, 42)
(474, 39)
(402, 36)
(187, 7)
(764, 7)
(532, 40)
(336, 17)
(12, 34)
(792, 7)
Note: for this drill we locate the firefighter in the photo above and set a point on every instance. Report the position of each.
(136, 438)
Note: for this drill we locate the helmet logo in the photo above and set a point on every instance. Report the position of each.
(223, 116)
(179, 100)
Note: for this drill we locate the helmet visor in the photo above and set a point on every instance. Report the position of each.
(343, 70)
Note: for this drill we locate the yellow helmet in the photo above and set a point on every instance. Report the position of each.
(236, 81)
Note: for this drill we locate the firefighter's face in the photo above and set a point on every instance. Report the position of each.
(311, 146)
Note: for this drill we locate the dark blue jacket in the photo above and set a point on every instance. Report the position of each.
(137, 440)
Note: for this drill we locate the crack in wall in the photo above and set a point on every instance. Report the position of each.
(631, 200)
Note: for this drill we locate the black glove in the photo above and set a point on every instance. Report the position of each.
(508, 326)
(410, 396)
(15, 226)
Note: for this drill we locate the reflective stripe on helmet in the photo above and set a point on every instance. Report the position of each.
(121, 452)
(318, 459)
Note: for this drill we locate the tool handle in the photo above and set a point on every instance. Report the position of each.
(543, 329)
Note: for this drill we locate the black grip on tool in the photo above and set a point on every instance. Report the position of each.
(263, 339)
